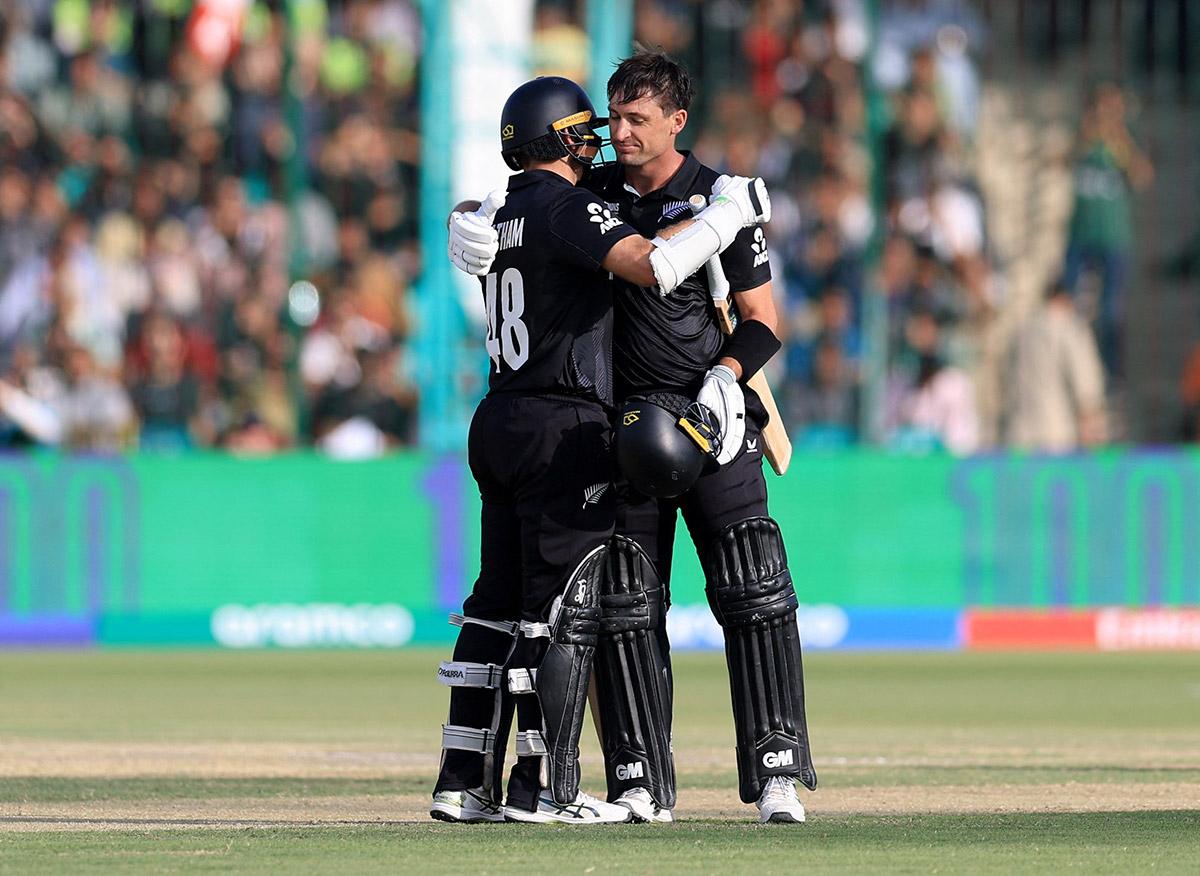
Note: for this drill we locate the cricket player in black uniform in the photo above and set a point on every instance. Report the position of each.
(539, 449)
(674, 344)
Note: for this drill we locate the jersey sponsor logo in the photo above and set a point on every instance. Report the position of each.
(759, 245)
(752, 445)
(774, 759)
(592, 494)
(675, 209)
(603, 217)
(511, 233)
(626, 771)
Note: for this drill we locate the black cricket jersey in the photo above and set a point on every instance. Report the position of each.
(668, 343)
(548, 303)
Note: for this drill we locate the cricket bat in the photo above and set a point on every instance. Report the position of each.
(776, 443)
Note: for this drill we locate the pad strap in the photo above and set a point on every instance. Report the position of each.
(470, 674)
(479, 739)
(459, 620)
(530, 743)
(535, 630)
(522, 681)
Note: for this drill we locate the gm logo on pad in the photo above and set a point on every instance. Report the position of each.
(630, 418)
(627, 771)
(773, 759)
(507, 132)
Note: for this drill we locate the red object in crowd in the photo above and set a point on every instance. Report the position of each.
(215, 28)
(765, 48)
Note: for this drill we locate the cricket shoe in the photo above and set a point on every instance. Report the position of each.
(582, 810)
(465, 807)
(779, 803)
(644, 809)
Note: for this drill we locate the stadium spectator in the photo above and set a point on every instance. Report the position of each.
(824, 413)
(1054, 381)
(167, 396)
(76, 408)
(1109, 167)
(931, 403)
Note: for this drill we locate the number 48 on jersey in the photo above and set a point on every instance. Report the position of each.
(507, 335)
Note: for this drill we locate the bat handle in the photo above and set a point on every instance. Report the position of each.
(718, 285)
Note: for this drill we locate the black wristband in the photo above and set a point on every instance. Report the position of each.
(752, 344)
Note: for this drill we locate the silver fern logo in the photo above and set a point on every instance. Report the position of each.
(675, 209)
(592, 494)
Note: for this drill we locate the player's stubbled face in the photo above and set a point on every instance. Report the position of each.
(640, 130)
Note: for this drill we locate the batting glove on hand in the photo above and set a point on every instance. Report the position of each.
(722, 395)
(473, 241)
(750, 196)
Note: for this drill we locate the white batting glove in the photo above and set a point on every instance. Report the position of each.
(473, 241)
(722, 395)
(749, 194)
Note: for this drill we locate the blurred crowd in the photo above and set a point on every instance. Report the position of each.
(161, 189)
(879, 239)
(803, 115)
(158, 194)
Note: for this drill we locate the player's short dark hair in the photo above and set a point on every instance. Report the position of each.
(545, 148)
(652, 74)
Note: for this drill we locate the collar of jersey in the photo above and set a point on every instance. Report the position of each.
(529, 177)
(678, 188)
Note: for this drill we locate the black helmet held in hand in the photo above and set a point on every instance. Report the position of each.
(548, 118)
(664, 443)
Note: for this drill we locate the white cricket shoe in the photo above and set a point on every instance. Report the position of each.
(779, 803)
(583, 810)
(465, 807)
(644, 809)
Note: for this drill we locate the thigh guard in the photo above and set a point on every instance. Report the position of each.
(633, 677)
(750, 591)
(562, 676)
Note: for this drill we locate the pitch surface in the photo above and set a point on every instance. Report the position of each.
(256, 762)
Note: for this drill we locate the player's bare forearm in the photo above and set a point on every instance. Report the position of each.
(629, 259)
(759, 304)
(756, 304)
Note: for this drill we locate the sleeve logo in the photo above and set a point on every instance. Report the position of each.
(602, 217)
(759, 245)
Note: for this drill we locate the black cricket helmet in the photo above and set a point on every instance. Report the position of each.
(664, 443)
(547, 118)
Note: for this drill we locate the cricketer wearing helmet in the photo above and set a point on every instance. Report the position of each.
(539, 449)
(673, 344)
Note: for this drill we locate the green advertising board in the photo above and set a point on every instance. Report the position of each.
(198, 548)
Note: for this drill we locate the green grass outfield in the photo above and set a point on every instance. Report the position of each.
(269, 762)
